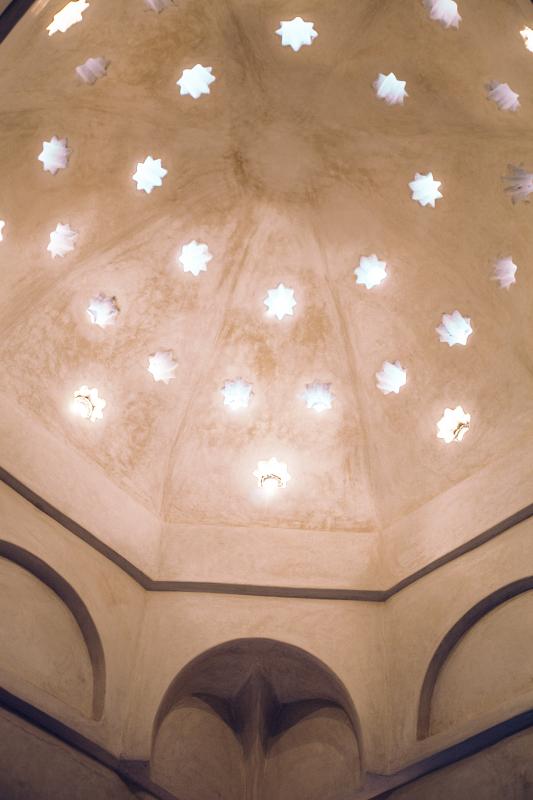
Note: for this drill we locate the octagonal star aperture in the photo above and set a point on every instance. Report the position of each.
(425, 189)
(54, 155)
(149, 174)
(371, 271)
(237, 393)
(92, 69)
(453, 425)
(102, 310)
(62, 240)
(444, 11)
(391, 377)
(318, 396)
(527, 35)
(390, 89)
(69, 15)
(280, 301)
(503, 96)
(272, 474)
(194, 257)
(454, 329)
(505, 272)
(296, 32)
(195, 81)
(519, 183)
(88, 404)
(161, 366)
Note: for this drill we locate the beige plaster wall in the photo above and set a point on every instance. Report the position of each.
(489, 667)
(40, 640)
(114, 601)
(36, 766)
(418, 618)
(502, 772)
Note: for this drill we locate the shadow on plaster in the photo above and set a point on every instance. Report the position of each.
(253, 718)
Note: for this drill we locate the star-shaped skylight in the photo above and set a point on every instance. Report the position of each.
(425, 189)
(2, 226)
(371, 271)
(318, 396)
(92, 69)
(88, 404)
(161, 365)
(237, 393)
(527, 35)
(391, 378)
(69, 15)
(157, 5)
(54, 155)
(272, 474)
(196, 81)
(505, 272)
(62, 240)
(453, 425)
(454, 329)
(444, 11)
(503, 96)
(102, 310)
(390, 89)
(296, 32)
(149, 174)
(194, 257)
(280, 301)
(519, 183)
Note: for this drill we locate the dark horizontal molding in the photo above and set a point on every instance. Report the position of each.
(255, 590)
(136, 774)
(12, 14)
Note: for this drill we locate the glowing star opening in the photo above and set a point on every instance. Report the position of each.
(161, 366)
(195, 82)
(318, 396)
(296, 32)
(527, 35)
(444, 11)
(503, 96)
(157, 5)
(237, 393)
(519, 183)
(453, 425)
(425, 190)
(149, 174)
(69, 15)
(54, 155)
(271, 474)
(505, 272)
(195, 257)
(371, 271)
(454, 329)
(280, 301)
(103, 310)
(62, 240)
(391, 378)
(390, 89)
(92, 69)
(87, 404)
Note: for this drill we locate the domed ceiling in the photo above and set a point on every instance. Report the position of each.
(291, 169)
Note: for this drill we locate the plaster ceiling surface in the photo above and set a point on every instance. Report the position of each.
(290, 170)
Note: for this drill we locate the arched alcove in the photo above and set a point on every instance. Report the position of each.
(255, 718)
(482, 662)
(48, 637)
